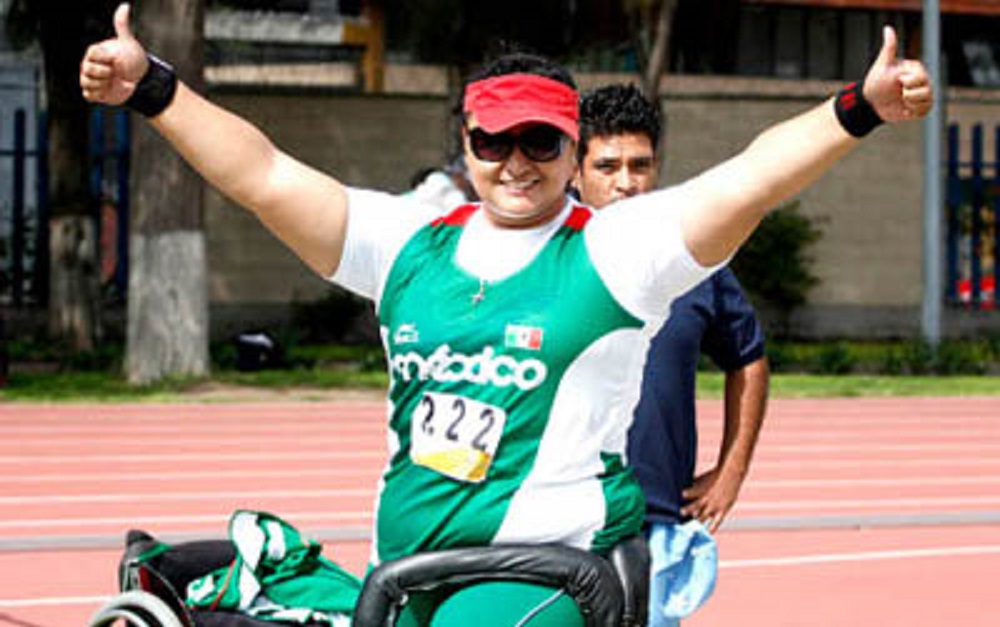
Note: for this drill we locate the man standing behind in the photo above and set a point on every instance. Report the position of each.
(619, 135)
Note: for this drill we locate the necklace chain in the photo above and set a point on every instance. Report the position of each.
(481, 294)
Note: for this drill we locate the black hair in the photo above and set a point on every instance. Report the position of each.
(615, 110)
(522, 63)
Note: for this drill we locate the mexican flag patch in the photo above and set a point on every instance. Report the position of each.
(521, 336)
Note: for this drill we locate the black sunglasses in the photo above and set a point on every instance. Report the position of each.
(539, 143)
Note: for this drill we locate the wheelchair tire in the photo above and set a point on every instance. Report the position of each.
(137, 609)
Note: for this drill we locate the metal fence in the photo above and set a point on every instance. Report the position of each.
(24, 206)
(973, 209)
(109, 175)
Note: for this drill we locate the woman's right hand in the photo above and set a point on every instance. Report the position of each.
(112, 68)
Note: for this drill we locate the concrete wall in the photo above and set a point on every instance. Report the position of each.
(376, 142)
(868, 260)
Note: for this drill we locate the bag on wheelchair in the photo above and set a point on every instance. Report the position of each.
(265, 574)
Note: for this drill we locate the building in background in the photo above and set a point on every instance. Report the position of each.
(296, 43)
(834, 39)
(365, 89)
(736, 65)
(350, 43)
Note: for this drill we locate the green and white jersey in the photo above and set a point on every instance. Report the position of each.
(514, 358)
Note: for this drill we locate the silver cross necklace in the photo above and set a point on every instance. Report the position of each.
(481, 294)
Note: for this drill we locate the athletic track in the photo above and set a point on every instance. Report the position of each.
(856, 512)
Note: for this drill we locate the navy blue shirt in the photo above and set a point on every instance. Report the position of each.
(715, 318)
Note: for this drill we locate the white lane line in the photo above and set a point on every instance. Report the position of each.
(190, 457)
(813, 462)
(50, 601)
(140, 521)
(855, 521)
(712, 440)
(39, 460)
(745, 505)
(221, 441)
(893, 430)
(907, 481)
(279, 426)
(795, 421)
(976, 429)
(829, 558)
(752, 483)
(880, 447)
(929, 503)
(145, 497)
(360, 531)
(334, 409)
(333, 443)
(127, 477)
(246, 439)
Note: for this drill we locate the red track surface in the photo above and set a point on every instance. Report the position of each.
(857, 512)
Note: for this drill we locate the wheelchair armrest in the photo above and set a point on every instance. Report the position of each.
(588, 578)
(630, 559)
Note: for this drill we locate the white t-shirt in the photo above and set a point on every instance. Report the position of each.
(636, 245)
(546, 369)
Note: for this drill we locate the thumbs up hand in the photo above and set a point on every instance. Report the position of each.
(111, 69)
(899, 89)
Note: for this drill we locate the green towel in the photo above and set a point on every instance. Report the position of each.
(277, 575)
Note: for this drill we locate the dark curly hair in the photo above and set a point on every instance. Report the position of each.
(616, 110)
(522, 63)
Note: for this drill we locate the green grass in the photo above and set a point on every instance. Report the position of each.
(710, 385)
(951, 357)
(305, 383)
(105, 387)
(49, 373)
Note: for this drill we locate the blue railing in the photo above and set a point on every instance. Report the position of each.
(24, 271)
(109, 187)
(973, 214)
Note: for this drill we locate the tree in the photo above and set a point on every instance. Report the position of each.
(63, 31)
(775, 264)
(652, 25)
(167, 300)
(168, 293)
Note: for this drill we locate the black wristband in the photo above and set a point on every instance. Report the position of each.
(856, 114)
(156, 89)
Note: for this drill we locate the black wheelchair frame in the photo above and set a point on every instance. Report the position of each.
(610, 591)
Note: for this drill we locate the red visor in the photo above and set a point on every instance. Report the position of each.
(505, 101)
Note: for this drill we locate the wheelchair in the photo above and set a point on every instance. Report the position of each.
(609, 591)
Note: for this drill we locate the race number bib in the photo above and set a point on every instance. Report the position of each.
(455, 436)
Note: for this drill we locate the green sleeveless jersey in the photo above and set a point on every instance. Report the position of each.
(501, 397)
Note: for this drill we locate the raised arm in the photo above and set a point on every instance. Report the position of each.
(303, 207)
(723, 205)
